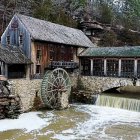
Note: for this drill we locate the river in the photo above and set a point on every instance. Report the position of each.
(79, 122)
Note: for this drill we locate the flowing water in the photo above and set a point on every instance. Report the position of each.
(120, 100)
(79, 122)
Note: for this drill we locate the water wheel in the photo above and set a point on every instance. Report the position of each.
(55, 89)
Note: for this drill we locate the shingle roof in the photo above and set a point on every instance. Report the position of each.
(51, 32)
(112, 52)
(11, 55)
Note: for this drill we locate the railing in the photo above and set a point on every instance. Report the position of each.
(63, 64)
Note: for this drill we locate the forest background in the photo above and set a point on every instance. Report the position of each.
(122, 16)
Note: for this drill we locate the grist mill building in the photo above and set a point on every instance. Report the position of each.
(111, 61)
(46, 44)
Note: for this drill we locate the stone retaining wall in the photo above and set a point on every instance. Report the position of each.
(100, 84)
(27, 89)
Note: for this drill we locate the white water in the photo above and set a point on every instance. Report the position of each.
(100, 119)
(101, 123)
(118, 102)
(27, 121)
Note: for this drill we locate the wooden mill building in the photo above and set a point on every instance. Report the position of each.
(48, 45)
(111, 61)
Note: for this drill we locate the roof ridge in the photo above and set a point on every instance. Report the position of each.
(48, 31)
(47, 21)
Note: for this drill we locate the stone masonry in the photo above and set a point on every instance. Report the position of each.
(101, 84)
(27, 89)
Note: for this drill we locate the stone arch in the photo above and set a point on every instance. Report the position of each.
(101, 84)
(116, 83)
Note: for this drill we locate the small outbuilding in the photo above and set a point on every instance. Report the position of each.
(13, 63)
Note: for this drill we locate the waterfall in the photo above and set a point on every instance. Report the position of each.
(118, 102)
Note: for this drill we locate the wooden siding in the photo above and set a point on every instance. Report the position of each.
(59, 52)
(14, 30)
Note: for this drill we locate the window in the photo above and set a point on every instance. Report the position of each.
(20, 39)
(51, 53)
(112, 67)
(98, 67)
(38, 55)
(38, 69)
(85, 67)
(127, 68)
(8, 39)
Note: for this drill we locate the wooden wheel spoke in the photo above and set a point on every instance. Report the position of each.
(65, 80)
(60, 80)
(51, 84)
(55, 79)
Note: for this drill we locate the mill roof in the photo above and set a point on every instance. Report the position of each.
(11, 55)
(51, 32)
(112, 52)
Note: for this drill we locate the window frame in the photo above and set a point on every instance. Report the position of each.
(98, 67)
(21, 39)
(112, 67)
(8, 39)
(38, 54)
(127, 68)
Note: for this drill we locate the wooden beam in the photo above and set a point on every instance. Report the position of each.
(6, 70)
(80, 67)
(119, 72)
(2, 68)
(91, 66)
(135, 67)
(28, 72)
(105, 67)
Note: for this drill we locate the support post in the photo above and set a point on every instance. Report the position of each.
(80, 67)
(135, 67)
(27, 71)
(105, 67)
(2, 68)
(6, 70)
(119, 72)
(91, 66)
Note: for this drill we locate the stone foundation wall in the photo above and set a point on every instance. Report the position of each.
(26, 89)
(100, 84)
(74, 78)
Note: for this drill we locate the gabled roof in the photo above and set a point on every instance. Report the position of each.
(133, 51)
(11, 55)
(51, 32)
